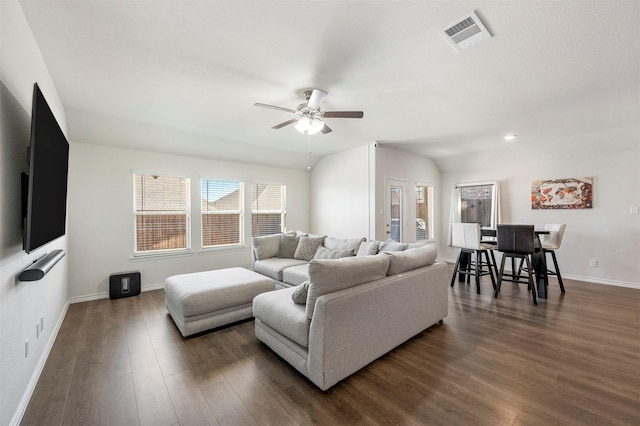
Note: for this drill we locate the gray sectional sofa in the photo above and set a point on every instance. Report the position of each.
(348, 310)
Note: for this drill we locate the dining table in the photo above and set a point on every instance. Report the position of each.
(539, 261)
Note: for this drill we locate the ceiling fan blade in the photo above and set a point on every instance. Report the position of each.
(316, 98)
(343, 114)
(326, 129)
(274, 107)
(285, 123)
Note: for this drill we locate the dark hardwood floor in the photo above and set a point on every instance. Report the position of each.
(573, 359)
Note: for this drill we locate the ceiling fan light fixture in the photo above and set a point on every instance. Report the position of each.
(308, 125)
(315, 126)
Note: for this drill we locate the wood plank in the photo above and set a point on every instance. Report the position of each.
(573, 359)
(188, 401)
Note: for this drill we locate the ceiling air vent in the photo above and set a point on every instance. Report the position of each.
(465, 32)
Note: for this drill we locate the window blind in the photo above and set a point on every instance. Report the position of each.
(267, 209)
(222, 212)
(161, 213)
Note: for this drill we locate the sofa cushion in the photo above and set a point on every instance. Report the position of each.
(273, 267)
(266, 246)
(343, 243)
(277, 310)
(299, 296)
(329, 275)
(199, 293)
(325, 253)
(417, 244)
(296, 275)
(368, 248)
(391, 245)
(307, 247)
(402, 261)
(288, 245)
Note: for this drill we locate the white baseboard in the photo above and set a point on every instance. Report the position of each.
(31, 387)
(601, 281)
(98, 296)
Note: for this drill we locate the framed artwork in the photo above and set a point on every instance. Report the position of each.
(571, 193)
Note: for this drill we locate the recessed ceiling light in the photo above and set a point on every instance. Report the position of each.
(510, 137)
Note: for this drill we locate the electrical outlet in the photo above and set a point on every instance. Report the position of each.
(593, 263)
(26, 348)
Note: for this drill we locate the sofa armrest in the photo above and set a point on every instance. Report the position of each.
(352, 327)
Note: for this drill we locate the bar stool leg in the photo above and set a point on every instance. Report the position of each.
(495, 293)
(491, 267)
(477, 271)
(531, 285)
(555, 264)
(456, 268)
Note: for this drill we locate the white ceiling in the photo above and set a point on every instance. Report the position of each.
(182, 76)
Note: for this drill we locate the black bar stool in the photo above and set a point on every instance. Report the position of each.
(516, 242)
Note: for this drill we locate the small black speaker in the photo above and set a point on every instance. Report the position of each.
(125, 284)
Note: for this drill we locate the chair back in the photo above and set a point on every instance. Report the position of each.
(517, 239)
(466, 235)
(553, 240)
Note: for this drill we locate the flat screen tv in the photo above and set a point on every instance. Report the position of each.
(45, 187)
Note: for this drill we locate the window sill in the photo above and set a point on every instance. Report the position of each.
(156, 256)
(235, 247)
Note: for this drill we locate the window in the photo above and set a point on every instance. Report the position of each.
(476, 204)
(267, 209)
(424, 212)
(222, 213)
(162, 219)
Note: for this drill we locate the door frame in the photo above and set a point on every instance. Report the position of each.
(395, 183)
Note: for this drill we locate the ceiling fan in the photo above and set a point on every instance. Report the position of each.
(308, 116)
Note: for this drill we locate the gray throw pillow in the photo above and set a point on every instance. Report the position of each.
(288, 246)
(343, 243)
(307, 247)
(266, 246)
(368, 248)
(391, 245)
(299, 296)
(325, 253)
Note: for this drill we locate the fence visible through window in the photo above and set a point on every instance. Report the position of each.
(476, 204)
(161, 213)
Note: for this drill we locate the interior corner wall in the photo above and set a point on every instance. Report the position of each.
(101, 220)
(414, 169)
(22, 304)
(608, 232)
(340, 196)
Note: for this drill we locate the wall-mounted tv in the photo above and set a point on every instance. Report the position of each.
(45, 188)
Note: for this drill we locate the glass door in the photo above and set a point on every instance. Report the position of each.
(394, 208)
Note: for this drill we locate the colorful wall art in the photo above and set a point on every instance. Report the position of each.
(571, 193)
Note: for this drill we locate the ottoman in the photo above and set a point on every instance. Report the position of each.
(204, 300)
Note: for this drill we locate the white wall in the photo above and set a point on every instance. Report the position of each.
(348, 189)
(395, 164)
(607, 232)
(22, 304)
(101, 222)
(340, 194)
